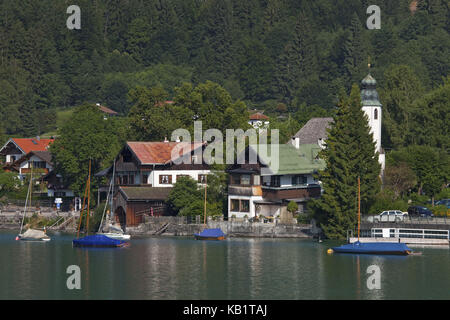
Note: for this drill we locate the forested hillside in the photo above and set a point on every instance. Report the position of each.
(285, 56)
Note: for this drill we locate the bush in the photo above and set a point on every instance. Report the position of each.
(440, 211)
(419, 200)
(292, 207)
(444, 194)
(385, 201)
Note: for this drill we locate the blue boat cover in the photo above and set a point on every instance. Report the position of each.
(211, 233)
(373, 247)
(98, 240)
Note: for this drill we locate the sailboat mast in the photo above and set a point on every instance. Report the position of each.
(89, 197)
(82, 209)
(26, 203)
(359, 207)
(206, 186)
(31, 183)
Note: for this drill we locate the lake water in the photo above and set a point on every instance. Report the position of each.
(237, 268)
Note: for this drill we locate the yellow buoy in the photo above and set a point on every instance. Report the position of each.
(329, 251)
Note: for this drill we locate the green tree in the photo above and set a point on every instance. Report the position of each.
(187, 199)
(399, 178)
(151, 119)
(355, 50)
(431, 166)
(349, 154)
(431, 114)
(85, 137)
(9, 182)
(400, 89)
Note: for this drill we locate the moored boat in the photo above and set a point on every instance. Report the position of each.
(98, 241)
(210, 234)
(33, 235)
(381, 248)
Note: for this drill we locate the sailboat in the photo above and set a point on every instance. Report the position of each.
(31, 234)
(114, 230)
(381, 248)
(98, 240)
(209, 234)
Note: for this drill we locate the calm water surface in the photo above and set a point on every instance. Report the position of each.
(183, 268)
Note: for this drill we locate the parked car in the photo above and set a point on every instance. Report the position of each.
(416, 211)
(390, 216)
(443, 202)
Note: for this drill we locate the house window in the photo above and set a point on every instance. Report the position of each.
(145, 179)
(234, 205)
(131, 178)
(245, 206)
(38, 164)
(240, 205)
(299, 179)
(165, 179)
(201, 178)
(125, 179)
(256, 180)
(235, 179)
(375, 114)
(60, 194)
(275, 181)
(245, 179)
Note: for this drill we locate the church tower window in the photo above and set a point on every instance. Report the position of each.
(375, 114)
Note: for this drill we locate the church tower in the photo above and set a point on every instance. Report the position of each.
(371, 106)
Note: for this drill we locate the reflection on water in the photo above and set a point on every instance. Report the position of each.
(184, 268)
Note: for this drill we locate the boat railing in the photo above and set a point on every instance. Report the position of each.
(407, 219)
(408, 233)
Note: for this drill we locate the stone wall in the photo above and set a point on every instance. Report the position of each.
(178, 227)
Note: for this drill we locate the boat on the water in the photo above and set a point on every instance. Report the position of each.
(115, 235)
(31, 234)
(381, 248)
(98, 241)
(106, 227)
(210, 234)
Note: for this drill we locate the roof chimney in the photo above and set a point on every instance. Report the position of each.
(296, 142)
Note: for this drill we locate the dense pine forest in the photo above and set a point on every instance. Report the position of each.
(289, 57)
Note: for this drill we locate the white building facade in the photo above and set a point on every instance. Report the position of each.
(372, 107)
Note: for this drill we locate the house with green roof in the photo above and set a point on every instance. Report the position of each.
(280, 174)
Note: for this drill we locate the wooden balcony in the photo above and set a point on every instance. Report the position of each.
(291, 192)
(245, 190)
(35, 171)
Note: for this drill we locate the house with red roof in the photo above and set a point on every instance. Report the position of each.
(258, 120)
(16, 148)
(144, 173)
